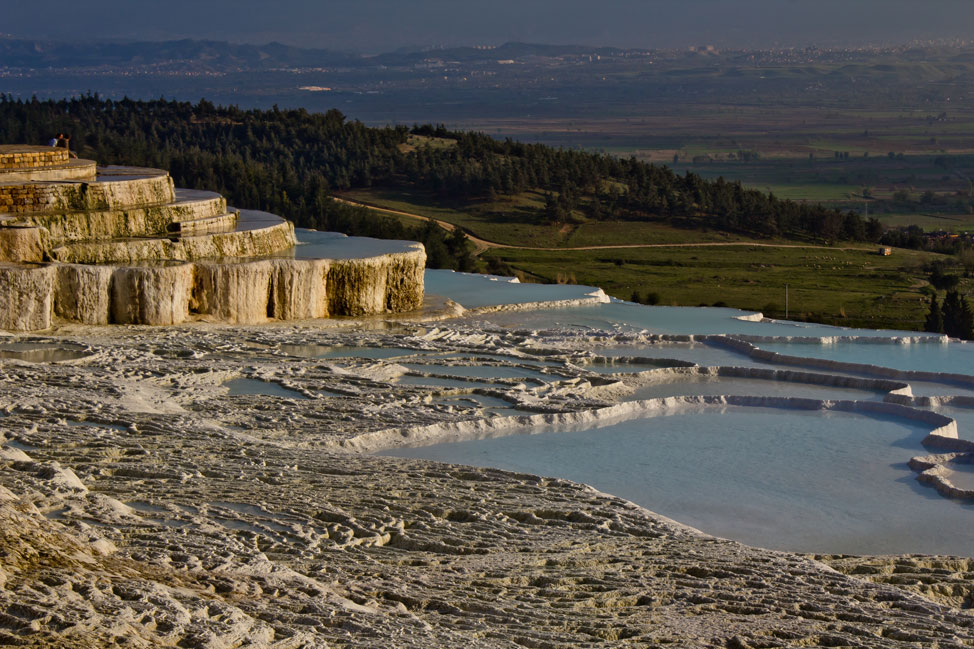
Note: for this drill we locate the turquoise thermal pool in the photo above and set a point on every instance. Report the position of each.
(800, 477)
(618, 315)
(795, 480)
(699, 353)
(441, 382)
(476, 291)
(954, 358)
(334, 245)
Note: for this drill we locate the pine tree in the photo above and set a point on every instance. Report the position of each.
(957, 316)
(951, 313)
(966, 328)
(935, 318)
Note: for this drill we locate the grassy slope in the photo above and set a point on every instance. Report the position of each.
(514, 221)
(850, 287)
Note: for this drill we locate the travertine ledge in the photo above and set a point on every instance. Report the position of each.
(242, 292)
(120, 245)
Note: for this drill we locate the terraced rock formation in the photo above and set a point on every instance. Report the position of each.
(143, 505)
(101, 245)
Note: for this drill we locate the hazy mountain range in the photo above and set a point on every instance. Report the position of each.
(25, 53)
(371, 26)
(220, 55)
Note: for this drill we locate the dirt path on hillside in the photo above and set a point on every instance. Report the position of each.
(481, 245)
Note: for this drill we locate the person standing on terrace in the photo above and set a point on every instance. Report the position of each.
(65, 142)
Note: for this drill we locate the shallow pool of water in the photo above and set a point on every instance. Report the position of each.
(672, 320)
(750, 387)
(954, 358)
(41, 352)
(492, 405)
(793, 480)
(330, 351)
(436, 382)
(472, 291)
(962, 475)
(334, 245)
(964, 418)
(484, 371)
(699, 353)
(921, 388)
(256, 386)
(497, 357)
(604, 367)
(473, 401)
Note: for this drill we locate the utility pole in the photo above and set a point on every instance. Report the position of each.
(786, 301)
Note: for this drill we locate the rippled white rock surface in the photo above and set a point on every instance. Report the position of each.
(206, 486)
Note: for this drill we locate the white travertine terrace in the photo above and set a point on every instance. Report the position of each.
(147, 506)
(121, 245)
(143, 504)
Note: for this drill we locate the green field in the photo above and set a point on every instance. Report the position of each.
(846, 287)
(932, 222)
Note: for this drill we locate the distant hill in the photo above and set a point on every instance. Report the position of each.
(217, 55)
(513, 51)
(222, 56)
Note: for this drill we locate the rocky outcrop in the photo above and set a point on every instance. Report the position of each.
(274, 238)
(22, 244)
(139, 221)
(151, 295)
(365, 286)
(84, 293)
(286, 289)
(242, 292)
(126, 247)
(66, 196)
(26, 297)
(298, 289)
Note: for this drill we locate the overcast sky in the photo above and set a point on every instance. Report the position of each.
(384, 25)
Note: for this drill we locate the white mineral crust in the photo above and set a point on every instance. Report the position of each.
(142, 505)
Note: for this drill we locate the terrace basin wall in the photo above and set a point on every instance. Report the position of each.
(121, 245)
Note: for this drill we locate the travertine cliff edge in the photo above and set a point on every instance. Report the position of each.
(121, 245)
